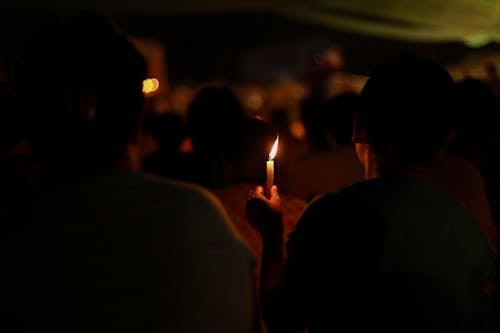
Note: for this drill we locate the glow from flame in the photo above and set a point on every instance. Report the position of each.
(274, 150)
(150, 85)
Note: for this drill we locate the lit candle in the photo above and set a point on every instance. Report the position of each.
(270, 167)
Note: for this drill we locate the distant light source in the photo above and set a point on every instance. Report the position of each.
(150, 85)
(254, 101)
(297, 130)
(476, 41)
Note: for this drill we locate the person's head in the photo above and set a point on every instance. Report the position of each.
(167, 130)
(337, 115)
(405, 115)
(476, 113)
(80, 91)
(254, 142)
(213, 121)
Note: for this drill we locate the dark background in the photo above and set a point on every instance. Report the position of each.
(256, 47)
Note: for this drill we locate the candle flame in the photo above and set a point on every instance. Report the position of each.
(274, 150)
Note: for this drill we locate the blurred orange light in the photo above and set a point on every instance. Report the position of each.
(150, 85)
(298, 130)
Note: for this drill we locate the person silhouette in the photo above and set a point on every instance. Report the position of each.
(101, 247)
(393, 253)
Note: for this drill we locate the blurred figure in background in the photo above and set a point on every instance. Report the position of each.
(291, 144)
(163, 134)
(477, 141)
(254, 142)
(331, 163)
(476, 116)
(459, 169)
(100, 247)
(214, 118)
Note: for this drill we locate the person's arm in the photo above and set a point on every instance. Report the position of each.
(278, 283)
(265, 215)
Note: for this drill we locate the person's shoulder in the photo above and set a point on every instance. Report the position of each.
(382, 188)
(328, 205)
(161, 185)
(355, 190)
(348, 202)
(327, 216)
(196, 206)
(189, 201)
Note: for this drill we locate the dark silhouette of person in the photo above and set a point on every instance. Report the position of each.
(213, 121)
(167, 131)
(334, 166)
(476, 118)
(254, 141)
(460, 169)
(393, 253)
(101, 247)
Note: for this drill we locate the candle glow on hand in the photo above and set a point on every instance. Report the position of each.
(270, 167)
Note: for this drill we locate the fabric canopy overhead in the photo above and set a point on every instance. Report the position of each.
(475, 22)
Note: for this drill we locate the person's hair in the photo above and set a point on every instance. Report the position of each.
(337, 115)
(213, 120)
(80, 92)
(406, 110)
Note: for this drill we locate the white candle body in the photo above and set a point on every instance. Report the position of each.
(270, 175)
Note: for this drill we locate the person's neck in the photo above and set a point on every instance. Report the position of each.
(375, 169)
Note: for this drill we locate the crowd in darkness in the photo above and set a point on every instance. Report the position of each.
(384, 219)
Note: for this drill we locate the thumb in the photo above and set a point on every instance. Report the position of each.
(274, 189)
(259, 190)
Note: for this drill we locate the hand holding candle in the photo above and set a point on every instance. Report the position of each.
(270, 167)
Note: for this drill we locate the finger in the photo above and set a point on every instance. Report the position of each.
(260, 195)
(274, 192)
(259, 189)
(274, 189)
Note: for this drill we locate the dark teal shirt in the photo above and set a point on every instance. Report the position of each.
(386, 255)
(124, 253)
